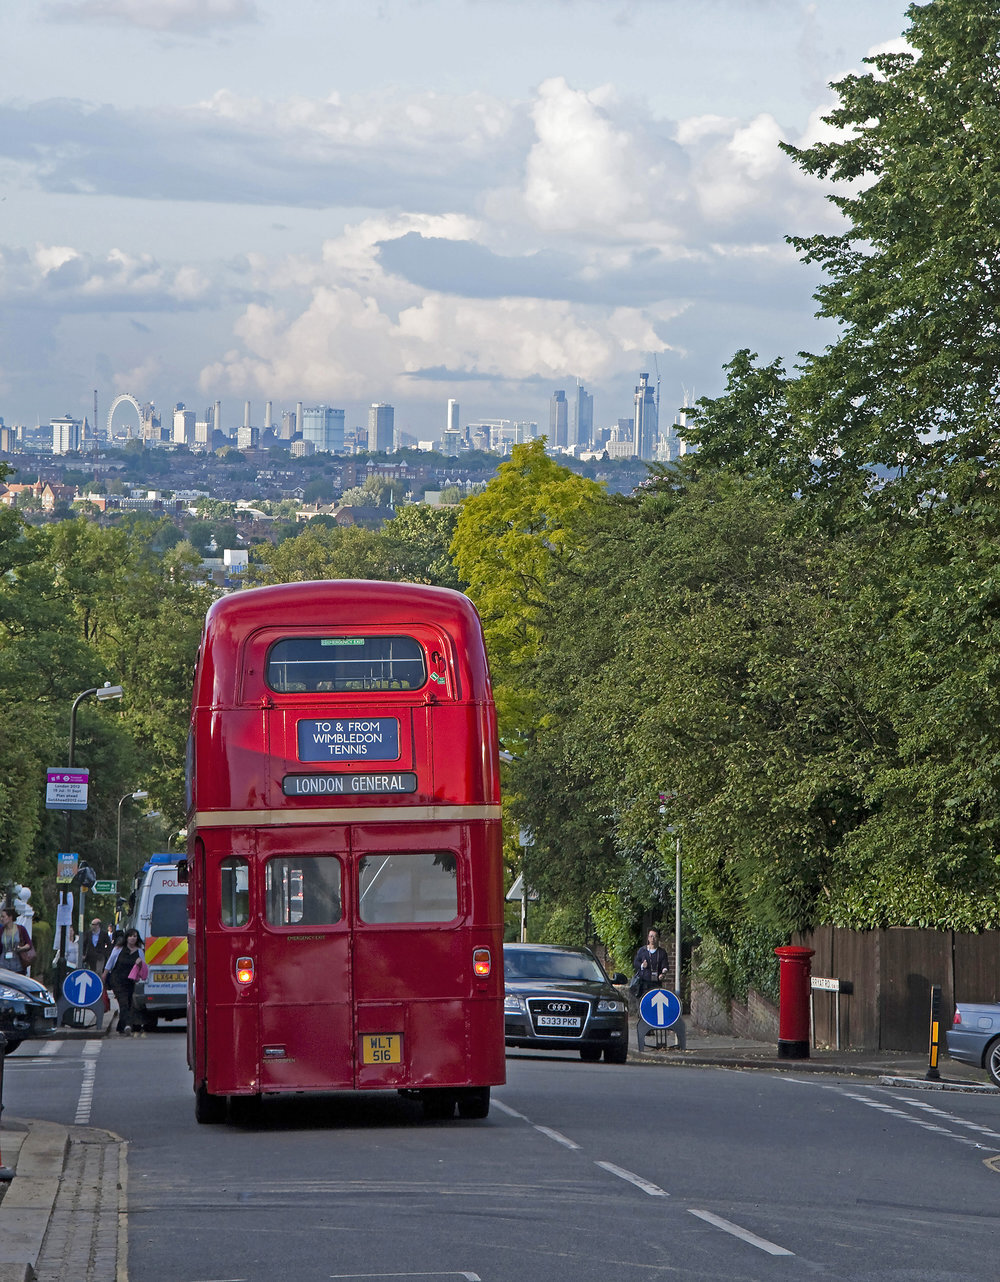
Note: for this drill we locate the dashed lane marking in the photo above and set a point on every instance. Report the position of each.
(652, 1189)
(761, 1243)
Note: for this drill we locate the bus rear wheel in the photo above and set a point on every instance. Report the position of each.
(474, 1102)
(209, 1109)
(438, 1106)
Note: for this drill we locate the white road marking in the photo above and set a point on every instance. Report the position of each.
(555, 1135)
(904, 1116)
(652, 1189)
(744, 1235)
(92, 1048)
(511, 1112)
(469, 1277)
(86, 1100)
(48, 1048)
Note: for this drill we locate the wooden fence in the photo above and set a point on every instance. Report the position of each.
(891, 973)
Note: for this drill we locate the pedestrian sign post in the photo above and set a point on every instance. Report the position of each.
(660, 1009)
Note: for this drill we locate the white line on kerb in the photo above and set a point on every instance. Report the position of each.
(743, 1234)
(652, 1189)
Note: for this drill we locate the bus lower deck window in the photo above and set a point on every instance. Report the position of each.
(303, 890)
(408, 887)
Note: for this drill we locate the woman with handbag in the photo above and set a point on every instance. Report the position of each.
(17, 952)
(122, 972)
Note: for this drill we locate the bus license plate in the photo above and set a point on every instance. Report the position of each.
(381, 1048)
(558, 1021)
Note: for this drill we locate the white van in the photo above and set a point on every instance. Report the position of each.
(160, 916)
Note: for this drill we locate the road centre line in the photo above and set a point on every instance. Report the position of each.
(555, 1135)
(652, 1189)
(511, 1112)
(744, 1235)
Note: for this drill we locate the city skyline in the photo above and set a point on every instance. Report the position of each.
(450, 207)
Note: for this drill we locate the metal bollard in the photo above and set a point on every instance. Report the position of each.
(6, 1174)
(932, 1074)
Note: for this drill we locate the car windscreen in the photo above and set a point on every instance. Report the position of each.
(520, 963)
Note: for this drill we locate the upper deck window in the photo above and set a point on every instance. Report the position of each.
(313, 665)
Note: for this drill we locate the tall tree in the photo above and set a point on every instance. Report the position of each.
(900, 409)
(508, 543)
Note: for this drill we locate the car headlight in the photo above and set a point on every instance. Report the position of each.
(10, 994)
(609, 1004)
(513, 1002)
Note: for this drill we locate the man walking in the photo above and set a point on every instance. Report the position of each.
(96, 947)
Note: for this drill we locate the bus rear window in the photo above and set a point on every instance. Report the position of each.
(315, 664)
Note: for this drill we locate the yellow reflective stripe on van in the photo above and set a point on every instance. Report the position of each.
(167, 950)
(343, 815)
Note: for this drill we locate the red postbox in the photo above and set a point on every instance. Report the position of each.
(793, 1002)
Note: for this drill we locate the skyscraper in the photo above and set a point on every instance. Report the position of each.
(646, 427)
(558, 424)
(67, 434)
(380, 428)
(324, 428)
(453, 416)
(582, 426)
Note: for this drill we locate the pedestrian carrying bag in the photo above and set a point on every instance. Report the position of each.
(139, 971)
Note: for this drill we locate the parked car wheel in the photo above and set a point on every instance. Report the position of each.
(991, 1060)
(590, 1054)
(617, 1054)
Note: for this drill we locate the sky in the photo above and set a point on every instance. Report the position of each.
(347, 201)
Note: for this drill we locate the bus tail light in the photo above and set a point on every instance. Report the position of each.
(481, 963)
(244, 970)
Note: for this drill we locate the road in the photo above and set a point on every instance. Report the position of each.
(582, 1172)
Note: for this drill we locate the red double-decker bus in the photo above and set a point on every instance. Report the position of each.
(344, 849)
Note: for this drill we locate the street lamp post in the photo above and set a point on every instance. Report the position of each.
(136, 796)
(103, 693)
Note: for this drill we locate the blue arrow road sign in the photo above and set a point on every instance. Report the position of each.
(659, 1008)
(82, 987)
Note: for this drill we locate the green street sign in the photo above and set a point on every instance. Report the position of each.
(104, 888)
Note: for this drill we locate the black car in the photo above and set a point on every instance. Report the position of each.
(562, 999)
(27, 1008)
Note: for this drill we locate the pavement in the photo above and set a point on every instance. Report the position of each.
(63, 1212)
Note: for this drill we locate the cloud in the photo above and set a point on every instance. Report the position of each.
(423, 151)
(190, 16)
(58, 279)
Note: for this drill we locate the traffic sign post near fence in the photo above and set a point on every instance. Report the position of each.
(660, 1009)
